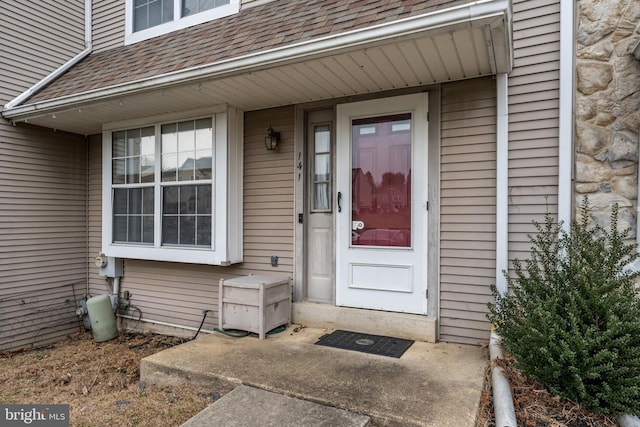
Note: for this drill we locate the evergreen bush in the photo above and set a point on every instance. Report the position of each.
(572, 317)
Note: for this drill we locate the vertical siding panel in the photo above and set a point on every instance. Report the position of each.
(467, 217)
(37, 37)
(177, 293)
(42, 234)
(533, 119)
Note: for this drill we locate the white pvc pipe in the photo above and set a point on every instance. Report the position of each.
(116, 293)
(64, 67)
(503, 408)
(158, 322)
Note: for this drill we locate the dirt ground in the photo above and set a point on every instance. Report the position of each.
(535, 406)
(101, 382)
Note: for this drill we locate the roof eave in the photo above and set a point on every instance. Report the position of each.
(495, 12)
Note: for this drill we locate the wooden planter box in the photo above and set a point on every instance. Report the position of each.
(255, 304)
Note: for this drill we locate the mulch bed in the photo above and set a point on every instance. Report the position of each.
(535, 406)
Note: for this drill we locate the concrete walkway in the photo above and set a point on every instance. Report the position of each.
(430, 385)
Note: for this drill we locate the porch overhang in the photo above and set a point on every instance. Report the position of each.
(466, 41)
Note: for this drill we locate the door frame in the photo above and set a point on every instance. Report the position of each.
(433, 227)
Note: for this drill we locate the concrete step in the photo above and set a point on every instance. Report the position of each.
(249, 407)
(433, 385)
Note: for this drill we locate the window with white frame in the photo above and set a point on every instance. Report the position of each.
(161, 182)
(145, 19)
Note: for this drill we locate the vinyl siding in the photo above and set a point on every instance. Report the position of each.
(97, 284)
(42, 234)
(177, 293)
(468, 169)
(37, 37)
(533, 119)
(42, 184)
(107, 24)
(467, 209)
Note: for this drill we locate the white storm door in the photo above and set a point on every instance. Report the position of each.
(381, 225)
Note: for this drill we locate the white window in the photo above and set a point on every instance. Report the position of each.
(166, 189)
(145, 19)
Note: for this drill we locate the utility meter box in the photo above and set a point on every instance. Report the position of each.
(109, 266)
(254, 303)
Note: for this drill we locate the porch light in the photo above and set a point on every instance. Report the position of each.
(271, 139)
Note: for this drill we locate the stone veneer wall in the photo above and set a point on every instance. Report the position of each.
(607, 109)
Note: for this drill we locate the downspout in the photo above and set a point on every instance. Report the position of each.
(565, 139)
(502, 399)
(64, 67)
(502, 182)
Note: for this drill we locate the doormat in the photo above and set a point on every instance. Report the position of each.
(366, 343)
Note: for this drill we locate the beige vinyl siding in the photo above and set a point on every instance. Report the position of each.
(107, 24)
(467, 209)
(42, 234)
(533, 119)
(177, 293)
(37, 37)
(97, 284)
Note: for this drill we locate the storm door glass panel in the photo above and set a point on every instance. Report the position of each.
(381, 181)
(322, 169)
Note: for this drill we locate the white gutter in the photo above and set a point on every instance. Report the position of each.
(565, 140)
(64, 67)
(502, 182)
(466, 15)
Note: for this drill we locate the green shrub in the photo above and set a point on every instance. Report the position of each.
(572, 317)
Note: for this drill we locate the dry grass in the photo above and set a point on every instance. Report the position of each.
(535, 406)
(101, 382)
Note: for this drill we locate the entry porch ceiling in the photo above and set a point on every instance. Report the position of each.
(450, 45)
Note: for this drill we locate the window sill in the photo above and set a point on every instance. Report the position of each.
(190, 255)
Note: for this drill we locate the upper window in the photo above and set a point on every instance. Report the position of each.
(150, 18)
(160, 182)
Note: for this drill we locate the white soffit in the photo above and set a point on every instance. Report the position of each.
(452, 48)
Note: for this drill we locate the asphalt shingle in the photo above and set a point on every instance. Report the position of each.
(271, 25)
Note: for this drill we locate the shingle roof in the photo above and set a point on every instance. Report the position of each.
(275, 24)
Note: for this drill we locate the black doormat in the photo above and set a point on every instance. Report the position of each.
(366, 343)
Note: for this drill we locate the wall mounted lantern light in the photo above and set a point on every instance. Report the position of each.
(271, 139)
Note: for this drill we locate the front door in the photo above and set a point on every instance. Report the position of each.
(381, 225)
